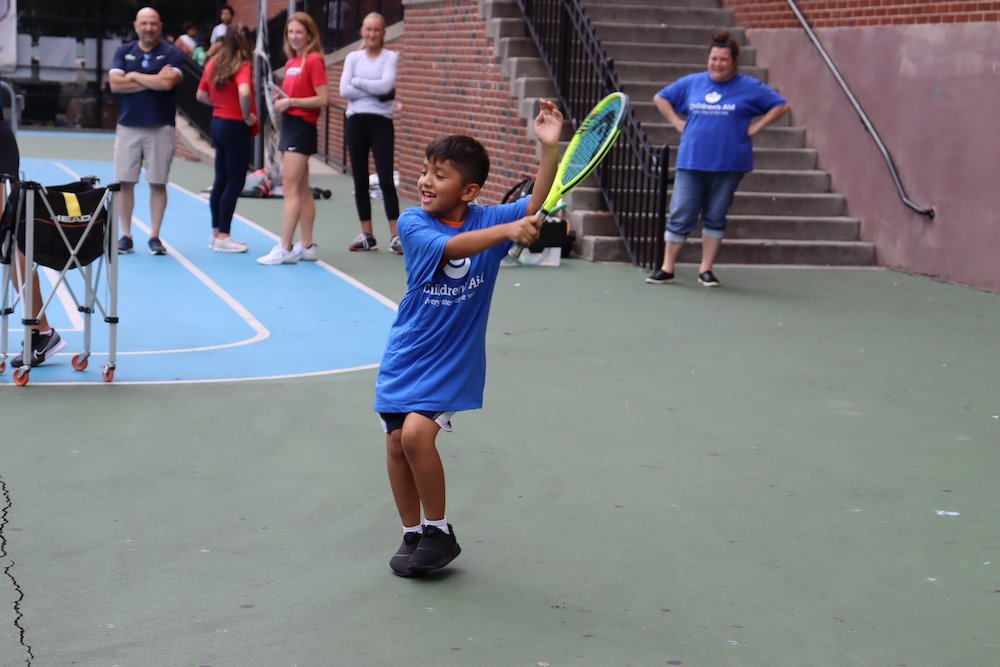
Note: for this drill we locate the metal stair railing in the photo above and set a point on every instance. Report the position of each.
(632, 178)
(922, 210)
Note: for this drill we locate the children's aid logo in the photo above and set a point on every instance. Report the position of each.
(444, 294)
(713, 97)
(457, 268)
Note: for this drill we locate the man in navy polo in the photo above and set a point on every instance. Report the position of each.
(145, 74)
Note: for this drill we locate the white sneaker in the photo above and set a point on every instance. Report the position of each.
(278, 255)
(229, 245)
(396, 246)
(211, 243)
(309, 254)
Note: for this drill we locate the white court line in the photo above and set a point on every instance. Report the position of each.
(261, 332)
(381, 298)
(62, 293)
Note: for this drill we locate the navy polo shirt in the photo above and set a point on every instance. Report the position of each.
(146, 108)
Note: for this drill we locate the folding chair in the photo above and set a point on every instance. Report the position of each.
(66, 227)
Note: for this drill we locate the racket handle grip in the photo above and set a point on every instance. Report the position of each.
(515, 251)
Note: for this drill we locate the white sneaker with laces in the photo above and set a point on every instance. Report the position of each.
(278, 255)
(304, 254)
(229, 245)
(396, 246)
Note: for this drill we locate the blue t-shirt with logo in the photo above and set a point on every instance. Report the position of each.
(435, 358)
(718, 116)
(146, 108)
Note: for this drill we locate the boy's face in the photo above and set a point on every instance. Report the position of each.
(443, 191)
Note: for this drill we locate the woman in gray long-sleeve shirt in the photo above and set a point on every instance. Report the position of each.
(368, 83)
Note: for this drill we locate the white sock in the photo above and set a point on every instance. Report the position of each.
(440, 524)
(413, 529)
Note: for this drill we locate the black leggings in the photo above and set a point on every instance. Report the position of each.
(371, 132)
(233, 148)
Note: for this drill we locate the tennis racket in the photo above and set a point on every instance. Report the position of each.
(590, 144)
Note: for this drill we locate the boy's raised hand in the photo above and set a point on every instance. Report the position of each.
(525, 231)
(548, 123)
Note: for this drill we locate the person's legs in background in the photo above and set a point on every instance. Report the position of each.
(685, 206)
(383, 144)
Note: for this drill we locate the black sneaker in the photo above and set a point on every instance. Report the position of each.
(400, 562)
(43, 346)
(363, 243)
(156, 246)
(435, 550)
(708, 279)
(125, 245)
(660, 278)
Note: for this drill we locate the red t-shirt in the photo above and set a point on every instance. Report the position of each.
(226, 100)
(302, 81)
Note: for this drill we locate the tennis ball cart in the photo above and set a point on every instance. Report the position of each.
(69, 229)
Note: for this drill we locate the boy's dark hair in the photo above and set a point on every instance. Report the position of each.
(467, 155)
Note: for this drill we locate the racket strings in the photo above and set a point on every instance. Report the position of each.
(593, 134)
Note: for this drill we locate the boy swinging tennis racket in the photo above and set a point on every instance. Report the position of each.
(435, 358)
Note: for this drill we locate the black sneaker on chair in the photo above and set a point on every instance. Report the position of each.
(400, 562)
(125, 245)
(435, 550)
(156, 246)
(660, 278)
(708, 279)
(43, 346)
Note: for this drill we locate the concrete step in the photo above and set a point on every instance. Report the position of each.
(664, 73)
(787, 159)
(491, 9)
(602, 249)
(670, 53)
(518, 47)
(805, 253)
(647, 113)
(665, 34)
(774, 136)
(643, 91)
(703, 4)
(767, 204)
(658, 14)
(741, 251)
(771, 227)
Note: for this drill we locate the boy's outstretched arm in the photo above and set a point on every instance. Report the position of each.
(548, 128)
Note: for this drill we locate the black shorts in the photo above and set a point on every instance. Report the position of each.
(393, 421)
(297, 135)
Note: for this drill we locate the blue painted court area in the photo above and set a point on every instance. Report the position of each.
(196, 315)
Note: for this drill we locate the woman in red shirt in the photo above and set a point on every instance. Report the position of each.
(303, 94)
(227, 84)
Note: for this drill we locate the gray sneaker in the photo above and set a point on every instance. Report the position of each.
(156, 246)
(43, 346)
(125, 245)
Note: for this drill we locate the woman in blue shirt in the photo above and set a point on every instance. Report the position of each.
(716, 112)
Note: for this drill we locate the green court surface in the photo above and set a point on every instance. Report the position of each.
(796, 469)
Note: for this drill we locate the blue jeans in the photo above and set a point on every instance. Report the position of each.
(705, 193)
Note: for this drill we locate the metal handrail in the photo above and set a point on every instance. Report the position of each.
(583, 73)
(922, 210)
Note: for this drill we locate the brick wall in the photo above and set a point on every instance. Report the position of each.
(847, 13)
(449, 82)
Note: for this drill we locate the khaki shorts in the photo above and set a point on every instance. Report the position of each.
(149, 147)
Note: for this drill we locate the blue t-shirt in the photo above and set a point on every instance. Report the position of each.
(435, 358)
(146, 108)
(718, 116)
